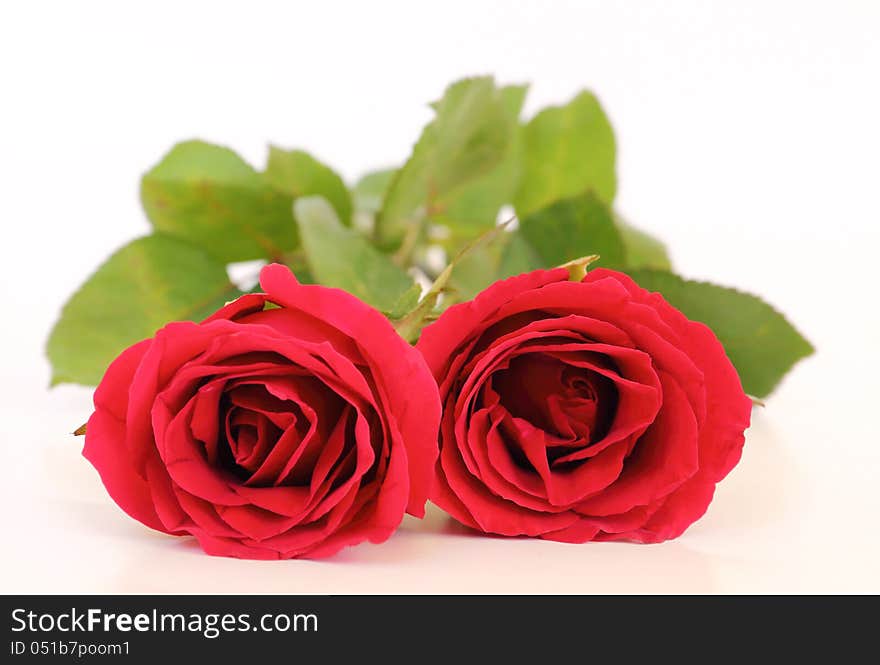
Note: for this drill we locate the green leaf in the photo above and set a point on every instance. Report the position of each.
(140, 288)
(574, 227)
(341, 257)
(473, 208)
(368, 195)
(475, 272)
(564, 231)
(406, 302)
(567, 150)
(210, 196)
(410, 326)
(517, 257)
(760, 343)
(297, 173)
(468, 137)
(481, 266)
(642, 250)
(369, 191)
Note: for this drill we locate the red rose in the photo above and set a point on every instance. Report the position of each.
(579, 411)
(288, 424)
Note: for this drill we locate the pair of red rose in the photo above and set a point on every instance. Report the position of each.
(296, 422)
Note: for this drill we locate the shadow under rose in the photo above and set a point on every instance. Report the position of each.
(451, 559)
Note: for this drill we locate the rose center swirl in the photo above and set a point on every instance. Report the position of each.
(574, 405)
(272, 431)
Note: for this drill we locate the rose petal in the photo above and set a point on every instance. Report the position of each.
(400, 371)
(508, 519)
(128, 488)
(665, 456)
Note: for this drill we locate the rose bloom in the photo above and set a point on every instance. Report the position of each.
(579, 411)
(288, 424)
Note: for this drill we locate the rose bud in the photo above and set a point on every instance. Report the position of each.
(289, 424)
(580, 411)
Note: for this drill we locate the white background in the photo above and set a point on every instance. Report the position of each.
(748, 139)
